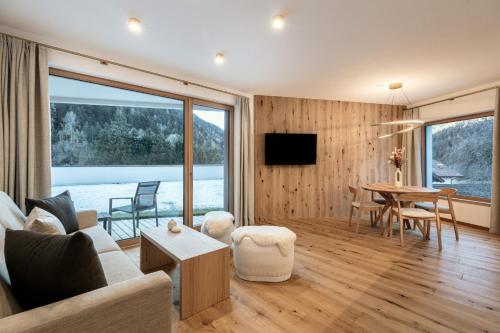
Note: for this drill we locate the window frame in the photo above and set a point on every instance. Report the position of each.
(228, 147)
(188, 103)
(459, 198)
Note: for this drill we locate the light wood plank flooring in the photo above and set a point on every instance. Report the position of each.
(347, 282)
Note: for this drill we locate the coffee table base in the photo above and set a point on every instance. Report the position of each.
(203, 280)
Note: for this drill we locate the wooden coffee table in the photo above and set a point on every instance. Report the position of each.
(204, 265)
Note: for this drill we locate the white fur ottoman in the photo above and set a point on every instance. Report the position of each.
(263, 253)
(218, 225)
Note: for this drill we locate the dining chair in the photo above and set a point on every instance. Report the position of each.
(416, 214)
(362, 206)
(449, 193)
(378, 200)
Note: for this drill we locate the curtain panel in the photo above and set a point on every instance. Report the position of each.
(24, 120)
(245, 189)
(412, 169)
(495, 176)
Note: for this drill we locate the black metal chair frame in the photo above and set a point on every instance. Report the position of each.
(135, 207)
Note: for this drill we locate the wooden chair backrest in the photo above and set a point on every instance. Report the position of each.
(353, 190)
(419, 197)
(357, 193)
(447, 192)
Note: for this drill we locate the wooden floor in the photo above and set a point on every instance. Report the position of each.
(347, 282)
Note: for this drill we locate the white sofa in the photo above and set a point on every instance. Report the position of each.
(132, 301)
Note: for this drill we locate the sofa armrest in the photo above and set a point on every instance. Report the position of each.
(142, 304)
(86, 218)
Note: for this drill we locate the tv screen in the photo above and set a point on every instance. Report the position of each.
(290, 149)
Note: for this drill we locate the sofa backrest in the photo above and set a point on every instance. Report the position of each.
(10, 217)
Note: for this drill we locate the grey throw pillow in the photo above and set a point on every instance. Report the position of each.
(48, 268)
(61, 206)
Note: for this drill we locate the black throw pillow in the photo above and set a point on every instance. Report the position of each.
(61, 206)
(48, 268)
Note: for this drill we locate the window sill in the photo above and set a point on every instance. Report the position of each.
(473, 201)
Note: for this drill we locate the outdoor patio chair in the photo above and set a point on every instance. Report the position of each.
(144, 199)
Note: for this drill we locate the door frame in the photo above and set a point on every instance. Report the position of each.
(229, 153)
(188, 103)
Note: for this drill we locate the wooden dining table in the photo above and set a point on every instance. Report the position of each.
(388, 191)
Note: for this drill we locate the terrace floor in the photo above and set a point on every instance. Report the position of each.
(123, 229)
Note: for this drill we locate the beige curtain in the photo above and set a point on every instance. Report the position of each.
(412, 169)
(24, 120)
(245, 188)
(495, 176)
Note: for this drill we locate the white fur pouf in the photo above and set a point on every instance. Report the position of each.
(263, 253)
(218, 225)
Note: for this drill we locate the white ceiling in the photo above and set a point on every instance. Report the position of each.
(332, 49)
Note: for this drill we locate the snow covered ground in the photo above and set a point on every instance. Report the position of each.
(208, 194)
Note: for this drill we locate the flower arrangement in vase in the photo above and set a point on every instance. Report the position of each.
(396, 159)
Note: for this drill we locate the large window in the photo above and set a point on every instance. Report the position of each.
(108, 137)
(459, 155)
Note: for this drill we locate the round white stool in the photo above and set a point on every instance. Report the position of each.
(218, 225)
(263, 253)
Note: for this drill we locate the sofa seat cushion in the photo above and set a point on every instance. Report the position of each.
(118, 267)
(102, 240)
(8, 303)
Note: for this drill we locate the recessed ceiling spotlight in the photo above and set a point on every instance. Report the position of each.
(278, 22)
(219, 59)
(134, 25)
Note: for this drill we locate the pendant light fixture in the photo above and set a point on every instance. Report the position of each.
(410, 125)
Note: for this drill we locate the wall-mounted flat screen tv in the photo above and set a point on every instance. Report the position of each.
(290, 149)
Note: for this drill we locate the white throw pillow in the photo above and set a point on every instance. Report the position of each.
(42, 221)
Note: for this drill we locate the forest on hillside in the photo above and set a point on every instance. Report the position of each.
(90, 135)
(465, 146)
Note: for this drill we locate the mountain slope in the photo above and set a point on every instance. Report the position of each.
(116, 135)
(465, 146)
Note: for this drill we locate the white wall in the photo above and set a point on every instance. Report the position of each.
(91, 175)
(476, 103)
(469, 213)
(476, 214)
(91, 67)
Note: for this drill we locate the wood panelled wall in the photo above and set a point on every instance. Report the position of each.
(348, 152)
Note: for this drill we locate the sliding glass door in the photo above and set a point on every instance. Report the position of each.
(211, 149)
(113, 149)
(138, 154)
